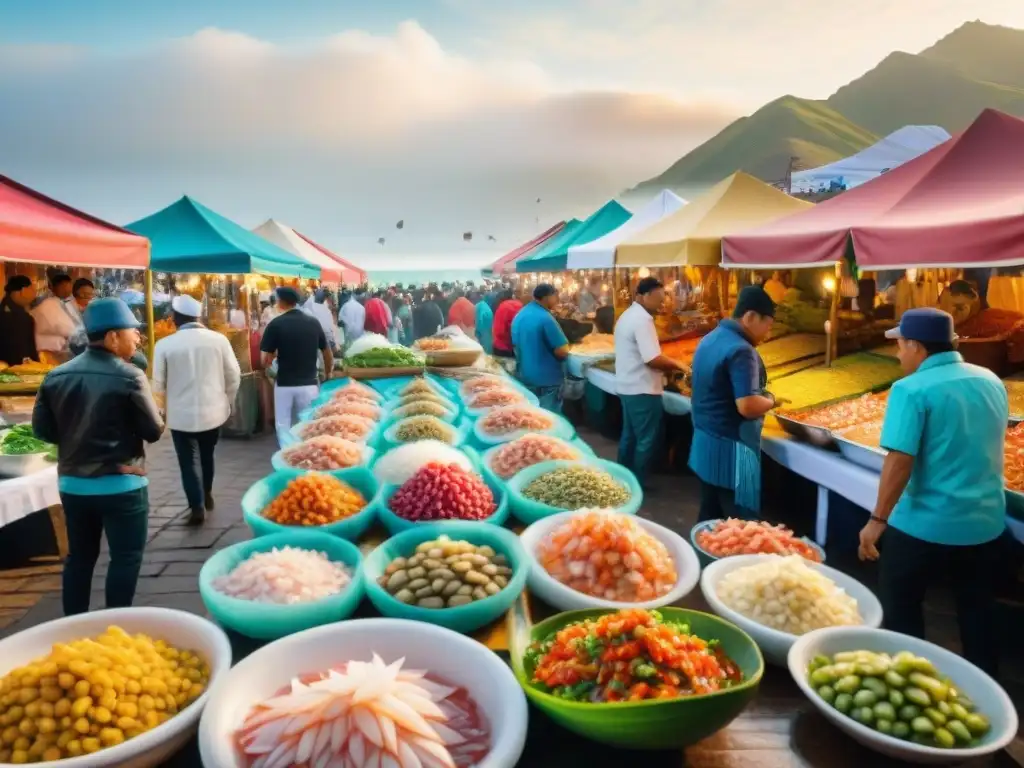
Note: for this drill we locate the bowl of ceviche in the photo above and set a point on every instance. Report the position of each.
(701, 685)
(715, 539)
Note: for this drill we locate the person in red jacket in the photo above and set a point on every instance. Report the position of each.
(508, 308)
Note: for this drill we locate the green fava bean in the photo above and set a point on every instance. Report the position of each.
(917, 696)
(900, 730)
(883, 726)
(848, 684)
(944, 708)
(895, 679)
(864, 698)
(876, 686)
(843, 703)
(827, 693)
(977, 724)
(864, 715)
(944, 738)
(823, 676)
(938, 691)
(959, 731)
(922, 726)
(818, 662)
(924, 666)
(885, 711)
(909, 711)
(935, 716)
(966, 703)
(896, 698)
(958, 710)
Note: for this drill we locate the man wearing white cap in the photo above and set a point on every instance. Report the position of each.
(196, 372)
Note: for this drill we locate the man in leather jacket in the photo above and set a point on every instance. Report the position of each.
(99, 411)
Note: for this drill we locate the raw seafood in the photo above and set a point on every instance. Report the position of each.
(869, 433)
(366, 715)
(849, 376)
(489, 398)
(92, 693)
(628, 655)
(523, 452)
(402, 462)
(423, 428)
(356, 407)
(511, 418)
(786, 594)
(346, 425)
(446, 574)
(750, 537)
(845, 414)
(481, 383)
(417, 397)
(324, 452)
(609, 556)
(418, 385)
(285, 576)
(903, 696)
(421, 408)
(443, 492)
(576, 488)
(314, 499)
(356, 390)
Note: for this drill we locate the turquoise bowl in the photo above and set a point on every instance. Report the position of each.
(453, 411)
(706, 558)
(396, 524)
(560, 428)
(464, 618)
(386, 436)
(528, 511)
(329, 387)
(651, 724)
(266, 621)
(266, 490)
(277, 461)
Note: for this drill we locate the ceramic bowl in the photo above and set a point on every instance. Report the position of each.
(706, 558)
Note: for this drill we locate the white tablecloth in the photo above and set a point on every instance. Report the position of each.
(21, 496)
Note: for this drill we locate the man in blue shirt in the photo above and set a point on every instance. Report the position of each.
(540, 346)
(940, 501)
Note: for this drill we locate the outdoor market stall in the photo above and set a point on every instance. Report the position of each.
(506, 264)
(288, 239)
(554, 255)
(600, 253)
(350, 273)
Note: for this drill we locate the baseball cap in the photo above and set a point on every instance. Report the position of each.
(104, 315)
(928, 325)
(187, 306)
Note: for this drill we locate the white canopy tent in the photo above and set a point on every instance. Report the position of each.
(600, 253)
(285, 237)
(892, 151)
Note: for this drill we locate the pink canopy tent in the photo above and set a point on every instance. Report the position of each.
(960, 204)
(350, 273)
(38, 230)
(507, 262)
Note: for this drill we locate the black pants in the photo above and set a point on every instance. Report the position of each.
(198, 481)
(719, 503)
(123, 517)
(909, 566)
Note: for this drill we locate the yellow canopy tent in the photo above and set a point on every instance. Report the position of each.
(693, 234)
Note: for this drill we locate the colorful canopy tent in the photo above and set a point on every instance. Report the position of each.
(554, 255)
(189, 237)
(507, 262)
(350, 273)
(961, 204)
(600, 253)
(38, 230)
(285, 237)
(693, 234)
(881, 157)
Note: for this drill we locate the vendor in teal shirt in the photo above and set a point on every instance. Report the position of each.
(941, 503)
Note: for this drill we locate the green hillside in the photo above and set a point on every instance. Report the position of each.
(973, 68)
(763, 143)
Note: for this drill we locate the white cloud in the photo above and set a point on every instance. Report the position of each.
(340, 140)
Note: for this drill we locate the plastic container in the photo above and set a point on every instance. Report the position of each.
(529, 511)
(267, 621)
(706, 558)
(464, 618)
(560, 428)
(328, 388)
(266, 490)
(387, 439)
(277, 461)
(584, 450)
(308, 414)
(396, 524)
(528, 399)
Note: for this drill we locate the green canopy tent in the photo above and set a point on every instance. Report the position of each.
(186, 236)
(554, 254)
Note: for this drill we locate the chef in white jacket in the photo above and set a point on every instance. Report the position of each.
(56, 321)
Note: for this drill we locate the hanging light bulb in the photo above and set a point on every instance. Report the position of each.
(643, 272)
(828, 283)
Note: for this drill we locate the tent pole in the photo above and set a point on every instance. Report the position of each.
(150, 329)
(833, 318)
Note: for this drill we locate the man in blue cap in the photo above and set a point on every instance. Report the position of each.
(940, 501)
(99, 411)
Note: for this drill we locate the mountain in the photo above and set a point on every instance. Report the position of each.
(948, 84)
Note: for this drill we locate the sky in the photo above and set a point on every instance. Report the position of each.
(340, 118)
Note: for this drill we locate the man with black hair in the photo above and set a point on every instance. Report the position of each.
(296, 341)
(55, 320)
(540, 347)
(729, 403)
(196, 373)
(99, 411)
(319, 308)
(17, 326)
(941, 505)
(82, 291)
(427, 317)
(639, 377)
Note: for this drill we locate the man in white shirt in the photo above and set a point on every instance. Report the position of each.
(352, 316)
(639, 380)
(197, 376)
(56, 321)
(317, 307)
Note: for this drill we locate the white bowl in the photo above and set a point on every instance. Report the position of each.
(457, 659)
(774, 644)
(991, 700)
(564, 598)
(179, 628)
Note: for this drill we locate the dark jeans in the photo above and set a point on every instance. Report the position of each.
(909, 566)
(124, 519)
(198, 481)
(641, 433)
(719, 503)
(549, 398)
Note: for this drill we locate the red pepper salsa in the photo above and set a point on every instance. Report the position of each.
(630, 655)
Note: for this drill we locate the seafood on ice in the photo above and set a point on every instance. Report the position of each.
(346, 425)
(491, 398)
(284, 576)
(366, 715)
(357, 391)
(480, 383)
(351, 406)
(324, 452)
(501, 421)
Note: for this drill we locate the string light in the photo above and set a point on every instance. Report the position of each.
(828, 283)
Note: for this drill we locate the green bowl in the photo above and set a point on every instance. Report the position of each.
(652, 724)
(529, 511)
(396, 524)
(266, 621)
(264, 491)
(464, 618)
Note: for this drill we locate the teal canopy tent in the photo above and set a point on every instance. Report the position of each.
(554, 254)
(186, 236)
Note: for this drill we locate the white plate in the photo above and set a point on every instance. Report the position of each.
(774, 644)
